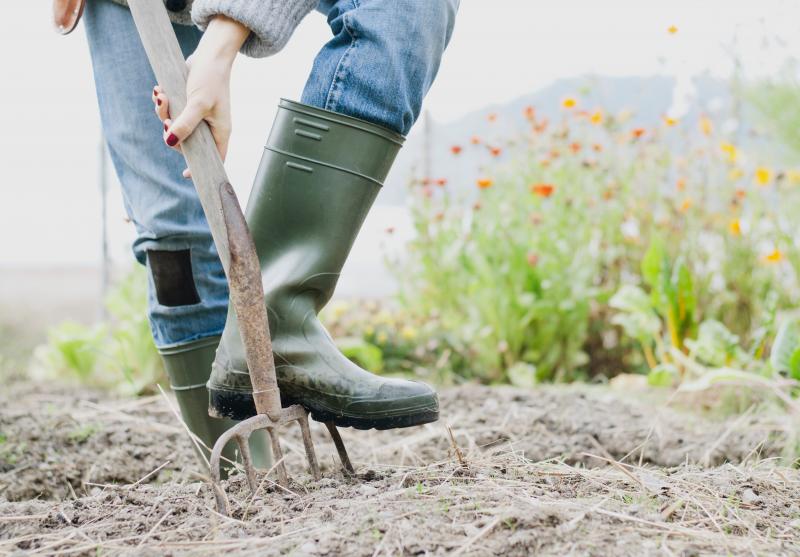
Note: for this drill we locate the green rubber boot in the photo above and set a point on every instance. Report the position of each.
(188, 367)
(318, 177)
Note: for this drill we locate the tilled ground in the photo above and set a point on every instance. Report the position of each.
(556, 471)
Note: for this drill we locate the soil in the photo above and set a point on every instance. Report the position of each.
(555, 471)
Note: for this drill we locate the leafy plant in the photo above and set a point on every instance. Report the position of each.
(119, 355)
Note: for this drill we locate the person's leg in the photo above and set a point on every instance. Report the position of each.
(382, 59)
(322, 168)
(188, 293)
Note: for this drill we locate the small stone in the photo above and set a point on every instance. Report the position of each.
(308, 548)
(750, 497)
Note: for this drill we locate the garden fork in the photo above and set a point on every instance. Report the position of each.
(238, 255)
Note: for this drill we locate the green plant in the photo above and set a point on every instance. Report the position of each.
(118, 355)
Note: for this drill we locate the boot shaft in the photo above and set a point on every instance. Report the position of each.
(318, 177)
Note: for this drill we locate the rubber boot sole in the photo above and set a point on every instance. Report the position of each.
(240, 406)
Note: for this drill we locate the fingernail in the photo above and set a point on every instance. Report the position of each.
(166, 127)
(158, 101)
(172, 140)
(155, 93)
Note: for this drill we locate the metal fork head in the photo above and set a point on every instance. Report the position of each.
(241, 433)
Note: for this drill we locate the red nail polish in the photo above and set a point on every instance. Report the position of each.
(158, 101)
(172, 140)
(166, 127)
(155, 93)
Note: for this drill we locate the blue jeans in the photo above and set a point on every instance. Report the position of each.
(378, 66)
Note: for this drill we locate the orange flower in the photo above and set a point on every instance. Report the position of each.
(492, 117)
(672, 29)
(686, 205)
(455, 149)
(441, 182)
(542, 190)
(597, 147)
(495, 151)
(475, 140)
(741, 194)
(532, 258)
(735, 227)
(530, 112)
(575, 147)
(637, 133)
(544, 162)
(541, 126)
(569, 102)
(775, 257)
(681, 184)
(438, 216)
(485, 183)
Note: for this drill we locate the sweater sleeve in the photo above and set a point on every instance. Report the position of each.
(271, 22)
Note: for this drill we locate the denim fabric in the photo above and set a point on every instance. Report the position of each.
(378, 66)
(162, 204)
(382, 59)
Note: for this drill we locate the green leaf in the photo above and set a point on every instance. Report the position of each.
(522, 375)
(794, 365)
(653, 263)
(639, 321)
(663, 375)
(363, 353)
(715, 344)
(787, 342)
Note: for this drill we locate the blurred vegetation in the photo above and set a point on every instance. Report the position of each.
(118, 355)
(593, 247)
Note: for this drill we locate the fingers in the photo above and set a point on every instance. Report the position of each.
(183, 126)
(161, 103)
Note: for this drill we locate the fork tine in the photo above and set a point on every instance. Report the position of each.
(309, 446)
(347, 466)
(247, 461)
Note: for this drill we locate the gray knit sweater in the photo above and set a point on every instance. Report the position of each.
(271, 22)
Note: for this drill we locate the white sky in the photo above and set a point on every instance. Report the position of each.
(501, 49)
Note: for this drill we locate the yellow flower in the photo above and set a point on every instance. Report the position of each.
(569, 102)
(706, 125)
(763, 176)
(735, 174)
(672, 29)
(730, 150)
(485, 183)
(735, 227)
(686, 205)
(596, 118)
(670, 122)
(408, 332)
(775, 257)
(793, 176)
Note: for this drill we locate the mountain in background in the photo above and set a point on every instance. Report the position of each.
(648, 98)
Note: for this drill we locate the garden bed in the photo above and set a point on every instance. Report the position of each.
(555, 470)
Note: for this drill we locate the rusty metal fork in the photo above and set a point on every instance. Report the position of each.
(238, 255)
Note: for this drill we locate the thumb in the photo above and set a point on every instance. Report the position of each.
(183, 126)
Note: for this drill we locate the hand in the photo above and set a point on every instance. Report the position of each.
(207, 87)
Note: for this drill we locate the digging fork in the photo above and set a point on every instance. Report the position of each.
(238, 255)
